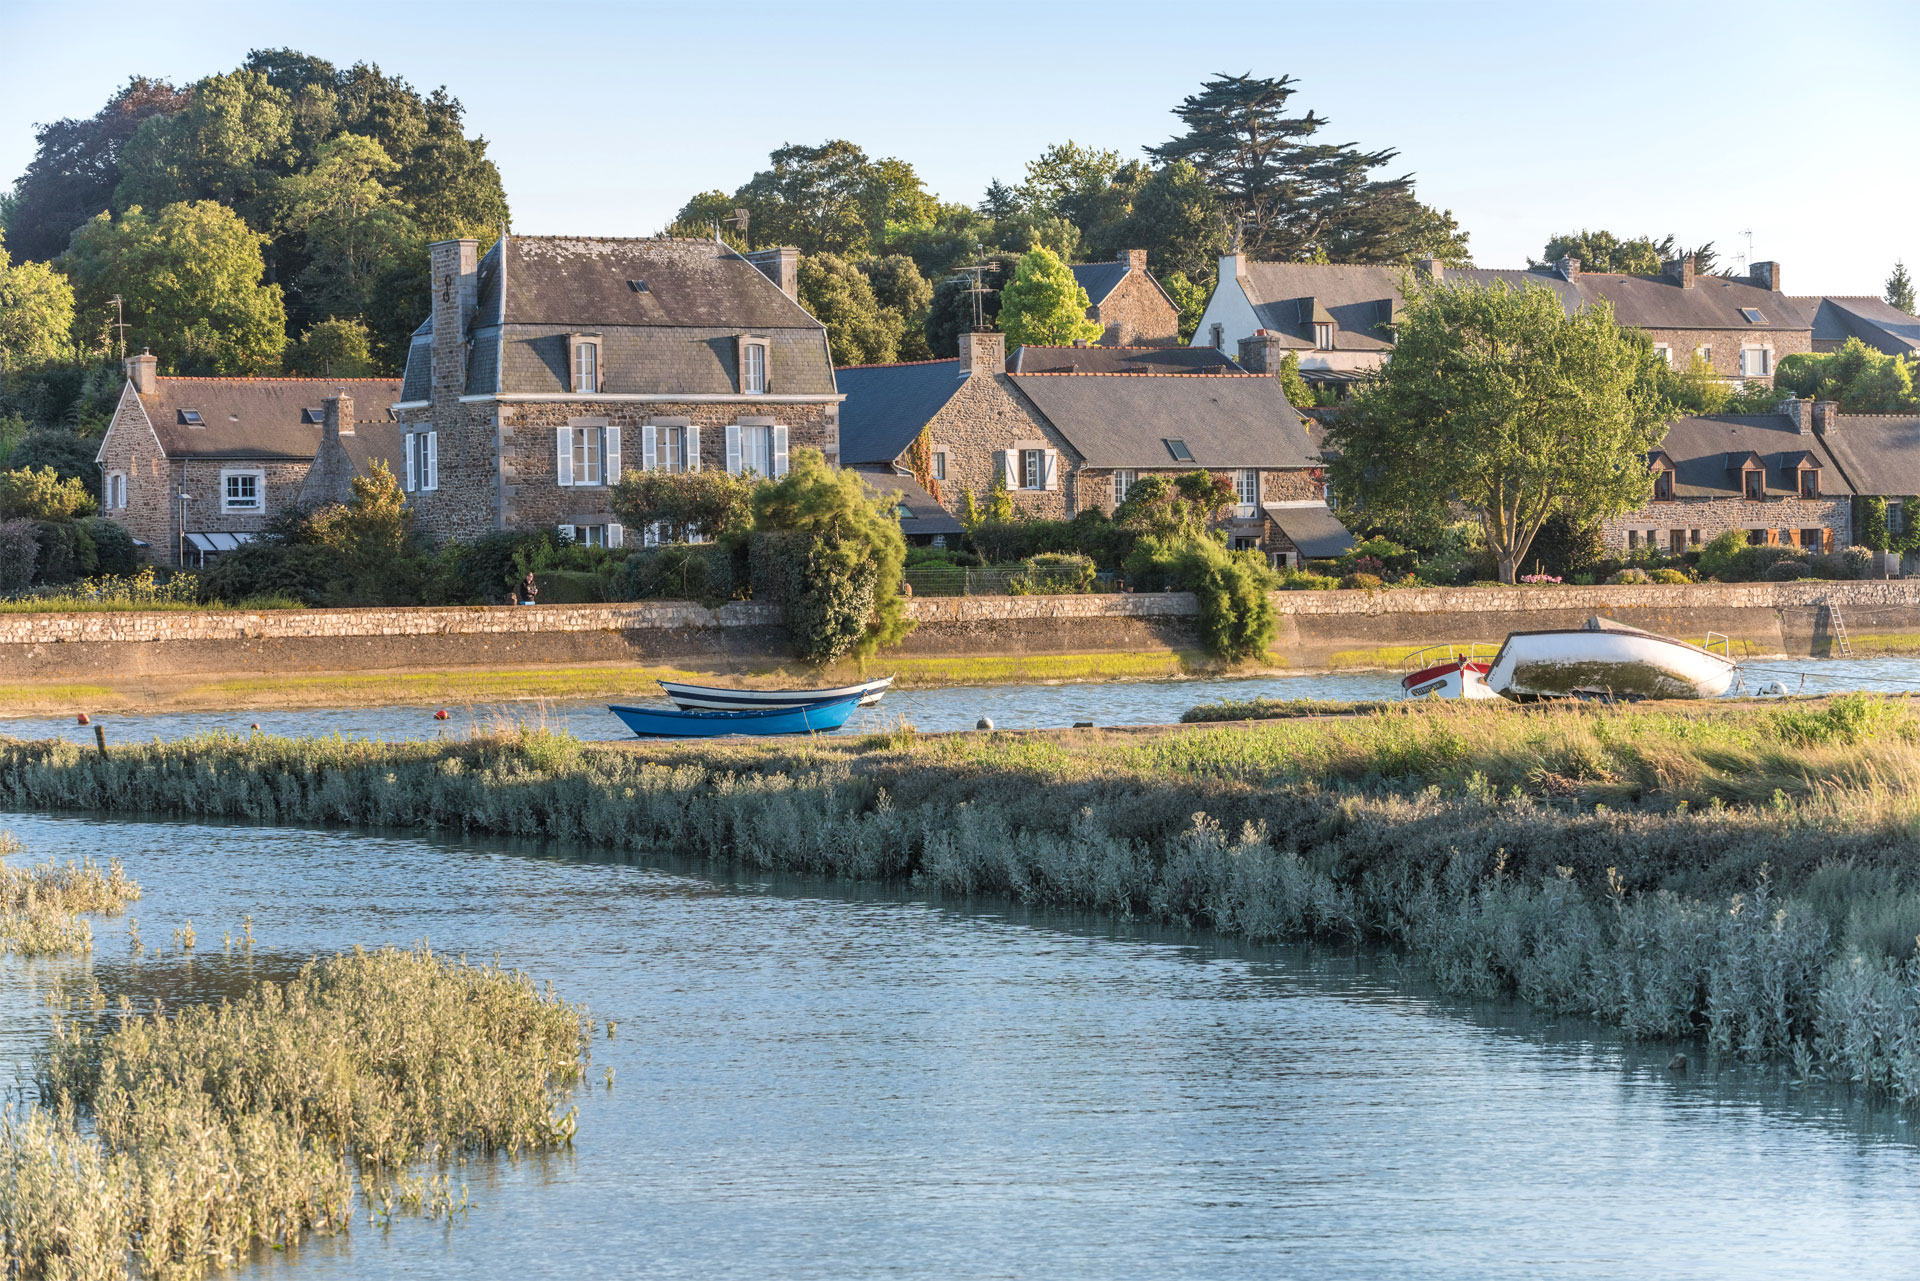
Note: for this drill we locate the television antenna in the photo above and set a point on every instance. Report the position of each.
(738, 218)
(1747, 261)
(119, 325)
(976, 275)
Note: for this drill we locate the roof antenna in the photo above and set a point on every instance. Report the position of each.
(977, 286)
(739, 219)
(120, 324)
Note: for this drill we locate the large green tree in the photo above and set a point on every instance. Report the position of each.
(831, 198)
(859, 330)
(1296, 198)
(1635, 256)
(232, 140)
(36, 314)
(351, 225)
(1499, 402)
(1179, 220)
(189, 278)
(1044, 305)
(1863, 380)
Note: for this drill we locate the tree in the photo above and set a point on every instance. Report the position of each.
(225, 146)
(189, 278)
(951, 313)
(831, 199)
(40, 493)
(1900, 287)
(855, 533)
(1291, 383)
(1500, 402)
(373, 536)
(1189, 299)
(1000, 201)
(1294, 198)
(68, 455)
(352, 228)
(333, 348)
(1179, 221)
(1179, 508)
(711, 504)
(36, 314)
(1604, 251)
(902, 291)
(710, 210)
(1044, 305)
(75, 167)
(859, 330)
(1863, 380)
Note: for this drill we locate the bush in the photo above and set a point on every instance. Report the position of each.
(40, 494)
(69, 456)
(19, 554)
(1632, 575)
(1668, 575)
(1011, 541)
(113, 546)
(304, 572)
(1722, 557)
(1301, 580)
(66, 553)
(1362, 581)
(708, 572)
(1237, 618)
(710, 503)
(824, 595)
(1787, 570)
(1859, 561)
(842, 590)
(1564, 547)
(569, 587)
(1053, 574)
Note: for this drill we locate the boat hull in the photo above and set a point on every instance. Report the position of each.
(710, 698)
(673, 722)
(1449, 680)
(1613, 663)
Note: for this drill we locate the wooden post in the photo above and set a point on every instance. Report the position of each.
(100, 738)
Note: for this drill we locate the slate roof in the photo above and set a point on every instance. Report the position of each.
(1874, 321)
(1878, 453)
(886, 406)
(924, 516)
(256, 418)
(1120, 360)
(1125, 420)
(1312, 528)
(664, 308)
(1099, 278)
(1706, 452)
(1360, 299)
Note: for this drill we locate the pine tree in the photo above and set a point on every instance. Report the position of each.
(1900, 287)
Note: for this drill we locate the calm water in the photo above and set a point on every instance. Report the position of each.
(815, 1083)
(1008, 706)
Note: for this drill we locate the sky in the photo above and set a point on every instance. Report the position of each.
(1709, 121)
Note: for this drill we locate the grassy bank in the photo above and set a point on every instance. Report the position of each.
(1744, 873)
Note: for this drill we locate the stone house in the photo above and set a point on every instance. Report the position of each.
(1129, 302)
(1339, 319)
(195, 466)
(552, 363)
(1067, 442)
(1874, 321)
(1879, 454)
(1772, 476)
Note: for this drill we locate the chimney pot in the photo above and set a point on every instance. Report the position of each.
(1260, 352)
(142, 372)
(1826, 416)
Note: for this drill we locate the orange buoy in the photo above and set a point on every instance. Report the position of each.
(440, 715)
(84, 720)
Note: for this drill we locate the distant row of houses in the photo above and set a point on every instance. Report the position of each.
(551, 365)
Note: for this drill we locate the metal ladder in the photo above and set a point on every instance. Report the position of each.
(1839, 627)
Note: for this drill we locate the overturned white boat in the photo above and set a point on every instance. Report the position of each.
(1448, 671)
(1605, 659)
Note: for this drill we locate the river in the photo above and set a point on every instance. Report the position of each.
(959, 707)
(815, 1081)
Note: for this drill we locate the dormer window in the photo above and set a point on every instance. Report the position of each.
(1323, 335)
(1756, 482)
(1809, 482)
(753, 367)
(192, 418)
(1663, 486)
(585, 363)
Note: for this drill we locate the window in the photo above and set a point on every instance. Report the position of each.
(1663, 486)
(1693, 538)
(608, 535)
(1816, 539)
(313, 416)
(588, 453)
(1756, 482)
(1033, 468)
(1896, 515)
(1323, 334)
(1179, 450)
(903, 512)
(586, 365)
(673, 449)
(753, 368)
(1753, 315)
(1705, 353)
(1676, 541)
(422, 461)
(1664, 354)
(1246, 484)
(240, 491)
(1809, 482)
(758, 448)
(939, 464)
(192, 418)
(1759, 537)
(1755, 362)
(1123, 481)
(117, 491)
(1633, 538)
(1219, 337)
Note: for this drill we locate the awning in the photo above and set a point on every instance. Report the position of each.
(218, 542)
(1311, 527)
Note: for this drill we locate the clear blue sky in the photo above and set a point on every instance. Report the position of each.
(1705, 120)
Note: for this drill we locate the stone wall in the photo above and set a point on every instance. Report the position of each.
(131, 447)
(1711, 517)
(985, 416)
(1726, 344)
(1136, 313)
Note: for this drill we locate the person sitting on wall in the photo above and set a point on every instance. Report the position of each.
(529, 591)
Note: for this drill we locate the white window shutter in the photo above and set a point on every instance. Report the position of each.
(650, 537)
(693, 448)
(615, 534)
(433, 460)
(733, 449)
(411, 479)
(565, 460)
(649, 436)
(779, 450)
(612, 455)
(1010, 468)
(1050, 469)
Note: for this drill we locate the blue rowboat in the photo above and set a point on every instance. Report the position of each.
(672, 722)
(712, 698)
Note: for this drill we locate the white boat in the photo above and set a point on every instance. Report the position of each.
(1605, 659)
(1448, 671)
(712, 698)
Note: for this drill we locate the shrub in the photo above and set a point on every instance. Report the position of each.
(1362, 581)
(1667, 574)
(715, 504)
(113, 547)
(19, 554)
(824, 594)
(1178, 506)
(41, 494)
(1053, 574)
(1721, 557)
(1858, 560)
(843, 591)
(1566, 547)
(708, 572)
(66, 553)
(1788, 570)
(1631, 575)
(569, 587)
(1301, 580)
(1237, 618)
(304, 572)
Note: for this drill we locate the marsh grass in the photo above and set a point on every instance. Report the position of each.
(168, 1145)
(1274, 709)
(40, 906)
(1740, 873)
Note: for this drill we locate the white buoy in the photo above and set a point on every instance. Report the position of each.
(983, 723)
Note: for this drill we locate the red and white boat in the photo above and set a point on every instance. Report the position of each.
(1449, 671)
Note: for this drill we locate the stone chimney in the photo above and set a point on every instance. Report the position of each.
(1260, 352)
(781, 266)
(1569, 268)
(1766, 275)
(330, 476)
(1679, 270)
(982, 353)
(1431, 268)
(142, 372)
(1826, 417)
(456, 284)
(1136, 259)
(1798, 412)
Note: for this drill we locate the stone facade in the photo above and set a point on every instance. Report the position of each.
(1727, 344)
(131, 449)
(1701, 520)
(988, 415)
(1137, 313)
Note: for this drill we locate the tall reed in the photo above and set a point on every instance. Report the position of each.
(40, 905)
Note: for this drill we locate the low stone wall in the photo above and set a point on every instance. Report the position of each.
(1317, 629)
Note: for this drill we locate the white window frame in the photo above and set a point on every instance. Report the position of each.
(422, 456)
(753, 367)
(1748, 359)
(587, 454)
(741, 459)
(585, 375)
(258, 506)
(116, 491)
(1665, 353)
(939, 464)
(1123, 480)
(1323, 335)
(1705, 352)
(1247, 480)
(1033, 464)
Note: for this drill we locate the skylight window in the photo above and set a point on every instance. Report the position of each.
(1753, 315)
(192, 418)
(638, 286)
(312, 416)
(1179, 450)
